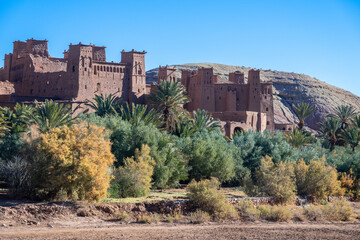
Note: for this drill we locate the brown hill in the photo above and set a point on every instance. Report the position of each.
(289, 88)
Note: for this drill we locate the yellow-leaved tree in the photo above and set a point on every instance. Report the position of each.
(317, 179)
(72, 163)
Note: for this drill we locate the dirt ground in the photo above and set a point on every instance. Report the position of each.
(186, 231)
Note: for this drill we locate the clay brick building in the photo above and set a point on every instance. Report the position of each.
(239, 105)
(30, 73)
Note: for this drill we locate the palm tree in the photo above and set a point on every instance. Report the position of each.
(3, 126)
(203, 121)
(356, 122)
(303, 111)
(329, 129)
(298, 138)
(168, 99)
(344, 114)
(184, 127)
(49, 115)
(351, 136)
(104, 105)
(19, 119)
(139, 113)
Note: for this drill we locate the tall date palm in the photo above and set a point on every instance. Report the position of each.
(50, 114)
(168, 99)
(303, 111)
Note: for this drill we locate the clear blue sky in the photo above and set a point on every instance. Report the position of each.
(320, 38)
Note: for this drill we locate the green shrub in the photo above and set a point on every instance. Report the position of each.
(277, 181)
(199, 217)
(134, 178)
(170, 167)
(255, 145)
(205, 196)
(209, 156)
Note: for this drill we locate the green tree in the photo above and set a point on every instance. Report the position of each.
(209, 156)
(19, 119)
(3, 126)
(137, 113)
(329, 130)
(303, 111)
(356, 122)
(134, 178)
(351, 136)
(204, 122)
(298, 138)
(168, 99)
(253, 146)
(345, 114)
(104, 104)
(50, 114)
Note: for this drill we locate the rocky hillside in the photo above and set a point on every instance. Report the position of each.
(289, 88)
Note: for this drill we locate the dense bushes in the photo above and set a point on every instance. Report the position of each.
(134, 178)
(209, 156)
(71, 163)
(317, 180)
(204, 195)
(277, 180)
(66, 162)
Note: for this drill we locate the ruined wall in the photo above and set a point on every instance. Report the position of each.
(6, 88)
(37, 47)
(99, 54)
(167, 73)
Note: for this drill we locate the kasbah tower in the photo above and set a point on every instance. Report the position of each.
(30, 74)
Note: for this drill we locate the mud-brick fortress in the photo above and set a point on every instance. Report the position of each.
(30, 74)
(239, 105)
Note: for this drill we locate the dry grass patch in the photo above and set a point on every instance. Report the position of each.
(199, 217)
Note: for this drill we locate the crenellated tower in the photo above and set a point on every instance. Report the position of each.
(137, 76)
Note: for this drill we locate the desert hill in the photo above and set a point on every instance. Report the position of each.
(288, 87)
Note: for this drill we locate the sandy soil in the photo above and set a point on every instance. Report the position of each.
(257, 230)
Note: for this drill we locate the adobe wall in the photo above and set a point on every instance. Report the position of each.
(231, 97)
(248, 118)
(6, 88)
(82, 73)
(167, 73)
(111, 78)
(285, 127)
